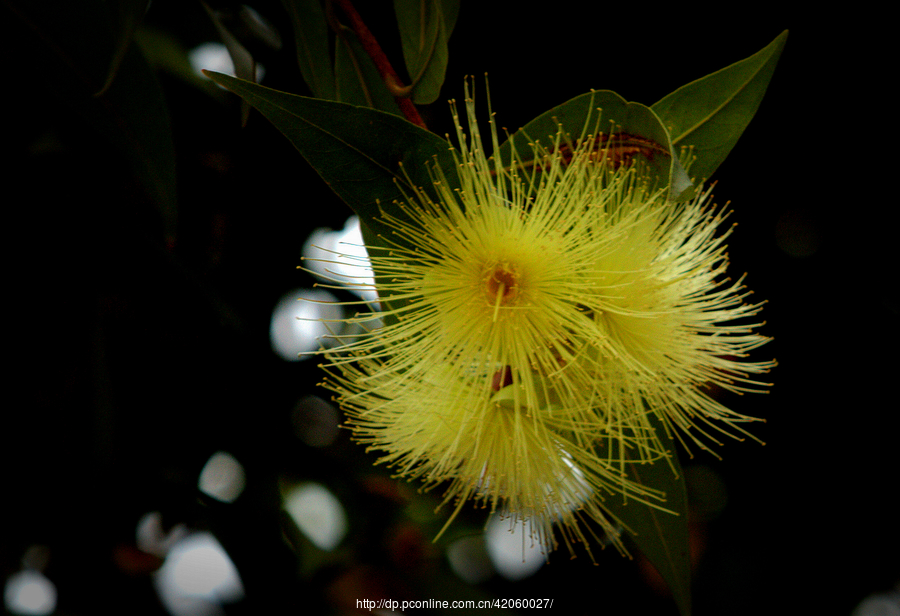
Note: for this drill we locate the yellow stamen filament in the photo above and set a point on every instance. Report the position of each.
(534, 320)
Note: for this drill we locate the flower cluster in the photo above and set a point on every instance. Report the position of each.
(540, 319)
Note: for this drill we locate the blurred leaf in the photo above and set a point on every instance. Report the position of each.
(425, 28)
(135, 118)
(71, 47)
(244, 64)
(166, 54)
(358, 151)
(661, 536)
(311, 33)
(636, 132)
(358, 80)
(711, 113)
(450, 9)
(241, 58)
(255, 29)
(126, 16)
(237, 29)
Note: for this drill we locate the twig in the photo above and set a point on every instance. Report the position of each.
(382, 64)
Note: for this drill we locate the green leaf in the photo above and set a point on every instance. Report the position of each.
(311, 33)
(241, 58)
(369, 158)
(450, 9)
(636, 131)
(662, 536)
(165, 53)
(134, 117)
(424, 31)
(366, 156)
(126, 16)
(358, 80)
(711, 113)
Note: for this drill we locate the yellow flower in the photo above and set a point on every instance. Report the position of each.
(532, 320)
(527, 463)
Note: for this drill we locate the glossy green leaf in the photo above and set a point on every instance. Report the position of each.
(661, 535)
(366, 156)
(637, 132)
(369, 158)
(424, 31)
(711, 113)
(311, 34)
(358, 80)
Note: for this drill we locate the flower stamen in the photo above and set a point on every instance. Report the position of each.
(502, 286)
(535, 321)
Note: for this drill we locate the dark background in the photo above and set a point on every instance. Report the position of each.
(134, 357)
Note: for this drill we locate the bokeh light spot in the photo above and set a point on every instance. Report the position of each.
(296, 328)
(29, 593)
(150, 537)
(340, 256)
(515, 554)
(222, 477)
(318, 514)
(198, 577)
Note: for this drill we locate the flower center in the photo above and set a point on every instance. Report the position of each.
(502, 284)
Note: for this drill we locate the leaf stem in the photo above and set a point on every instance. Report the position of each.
(387, 72)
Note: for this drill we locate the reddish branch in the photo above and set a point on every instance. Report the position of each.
(387, 72)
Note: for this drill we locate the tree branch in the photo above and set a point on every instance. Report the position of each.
(382, 64)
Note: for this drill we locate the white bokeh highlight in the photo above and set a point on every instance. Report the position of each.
(212, 57)
(302, 321)
(514, 552)
(29, 593)
(222, 477)
(340, 257)
(150, 537)
(318, 514)
(198, 577)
